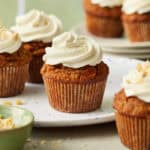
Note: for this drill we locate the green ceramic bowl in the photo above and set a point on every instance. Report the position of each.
(14, 139)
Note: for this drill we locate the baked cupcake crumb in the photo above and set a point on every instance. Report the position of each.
(36, 48)
(87, 73)
(131, 105)
(18, 58)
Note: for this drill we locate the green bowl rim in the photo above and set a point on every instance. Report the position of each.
(19, 127)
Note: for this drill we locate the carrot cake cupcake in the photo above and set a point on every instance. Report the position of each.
(136, 20)
(74, 73)
(37, 30)
(103, 17)
(132, 105)
(14, 62)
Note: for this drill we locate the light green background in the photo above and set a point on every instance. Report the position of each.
(8, 10)
(69, 11)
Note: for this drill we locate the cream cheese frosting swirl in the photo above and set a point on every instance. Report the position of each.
(108, 3)
(37, 26)
(137, 82)
(136, 6)
(10, 41)
(73, 51)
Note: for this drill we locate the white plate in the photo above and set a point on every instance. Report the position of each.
(131, 56)
(110, 42)
(45, 116)
(127, 50)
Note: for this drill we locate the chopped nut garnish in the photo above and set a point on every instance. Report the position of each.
(138, 75)
(128, 81)
(7, 103)
(28, 140)
(19, 102)
(6, 123)
(147, 68)
(139, 67)
(140, 80)
(43, 142)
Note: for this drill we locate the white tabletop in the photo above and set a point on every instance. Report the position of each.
(98, 137)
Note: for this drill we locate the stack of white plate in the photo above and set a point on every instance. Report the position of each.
(119, 46)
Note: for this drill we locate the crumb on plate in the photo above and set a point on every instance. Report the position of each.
(7, 103)
(43, 142)
(19, 102)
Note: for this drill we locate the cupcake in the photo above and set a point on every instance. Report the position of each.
(132, 105)
(37, 31)
(136, 20)
(103, 17)
(74, 74)
(14, 64)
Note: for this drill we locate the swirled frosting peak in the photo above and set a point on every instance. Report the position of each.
(137, 82)
(136, 6)
(10, 41)
(73, 51)
(108, 3)
(37, 26)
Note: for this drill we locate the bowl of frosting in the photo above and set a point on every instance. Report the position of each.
(15, 127)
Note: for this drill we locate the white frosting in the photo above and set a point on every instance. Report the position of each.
(108, 3)
(10, 41)
(73, 51)
(136, 6)
(37, 26)
(137, 82)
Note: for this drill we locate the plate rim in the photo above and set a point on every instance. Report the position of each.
(126, 51)
(101, 119)
(77, 27)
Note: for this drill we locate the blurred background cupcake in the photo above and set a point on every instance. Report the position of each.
(74, 73)
(136, 20)
(103, 17)
(14, 63)
(132, 105)
(37, 30)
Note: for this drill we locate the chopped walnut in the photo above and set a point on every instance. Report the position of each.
(7, 103)
(19, 102)
(139, 67)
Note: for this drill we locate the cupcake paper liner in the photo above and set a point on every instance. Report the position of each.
(74, 97)
(34, 70)
(12, 80)
(104, 26)
(137, 31)
(134, 132)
